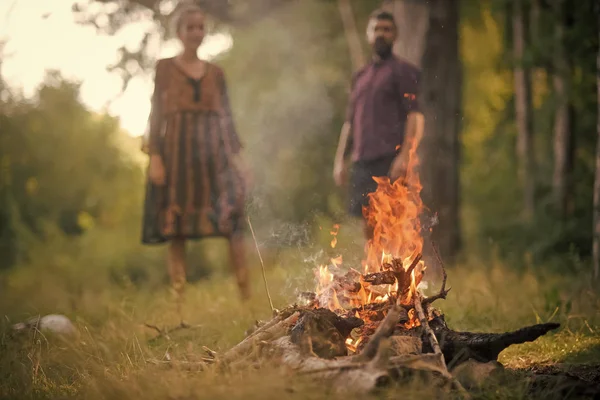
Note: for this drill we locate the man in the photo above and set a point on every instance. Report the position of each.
(383, 119)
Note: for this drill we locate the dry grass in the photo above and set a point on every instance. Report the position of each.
(112, 358)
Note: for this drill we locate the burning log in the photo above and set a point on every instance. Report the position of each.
(380, 278)
(323, 333)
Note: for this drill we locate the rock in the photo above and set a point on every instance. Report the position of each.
(472, 374)
(54, 323)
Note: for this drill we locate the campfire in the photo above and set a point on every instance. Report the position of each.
(364, 327)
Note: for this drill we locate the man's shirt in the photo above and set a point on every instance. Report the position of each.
(383, 93)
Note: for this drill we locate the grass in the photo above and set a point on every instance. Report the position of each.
(111, 359)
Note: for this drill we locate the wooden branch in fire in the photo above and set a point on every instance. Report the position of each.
(380, 278)
(443, 291)
(395, 272)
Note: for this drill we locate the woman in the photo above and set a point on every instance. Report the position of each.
(195, 188)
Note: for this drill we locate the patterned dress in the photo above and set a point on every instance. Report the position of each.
(192, 129)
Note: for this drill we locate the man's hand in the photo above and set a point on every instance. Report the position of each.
(340, 172)
(156, 170)
(399, 167)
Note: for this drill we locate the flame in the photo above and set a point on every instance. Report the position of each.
(393, 214)
(337, 261)
(352, 344)
(334, 232)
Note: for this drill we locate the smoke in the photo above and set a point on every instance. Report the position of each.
(287, 77)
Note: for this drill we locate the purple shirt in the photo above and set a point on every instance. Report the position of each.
(383, 93)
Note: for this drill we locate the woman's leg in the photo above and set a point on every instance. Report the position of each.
(177, 270)
(237, 251)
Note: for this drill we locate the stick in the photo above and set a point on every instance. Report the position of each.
(272, 333)
(262, 264)
(443, 291)
(423, 320)
(435, 345)
(165, 332)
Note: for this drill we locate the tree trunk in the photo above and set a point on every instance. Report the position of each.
(441, 84)
(561, 180)
(357, 55)
(596, 244)
(522, 77)
(412, 21)
(534, 21)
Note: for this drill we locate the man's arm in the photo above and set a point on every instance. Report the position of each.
(415, 123)
(341, 154)
(408, 88)
(345, 143)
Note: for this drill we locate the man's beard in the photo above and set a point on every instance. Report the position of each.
(382, 48)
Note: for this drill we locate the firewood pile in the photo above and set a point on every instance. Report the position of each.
(371, 344)
(362, 330)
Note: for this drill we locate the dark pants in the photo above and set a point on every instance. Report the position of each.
(362, 183)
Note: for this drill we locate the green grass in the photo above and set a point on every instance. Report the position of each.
(112, 357)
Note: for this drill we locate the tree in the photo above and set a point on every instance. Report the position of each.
(61, 170)
(428, 38)
(441, 82)
(109, 17)
(352, 37)
(523, 110)
(561, 182)
(412, 20)
(596, 240)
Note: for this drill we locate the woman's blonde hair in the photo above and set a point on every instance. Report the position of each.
(183, 10)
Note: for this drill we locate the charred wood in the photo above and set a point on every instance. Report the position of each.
(322, 332)
(458, 347)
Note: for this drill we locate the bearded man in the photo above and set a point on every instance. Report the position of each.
(383, 120)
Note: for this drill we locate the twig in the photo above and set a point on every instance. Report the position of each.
(157, 329)
(187, 364)
(273, 332)
(404, 280)
(262, 264)
(414, 263)
(210, 352)
(443, 291)
(165, 332)
(423, 320)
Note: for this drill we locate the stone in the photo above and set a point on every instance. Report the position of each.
(54, 323)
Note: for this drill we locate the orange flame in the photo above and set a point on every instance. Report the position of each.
(393, 214)
(334, 232)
